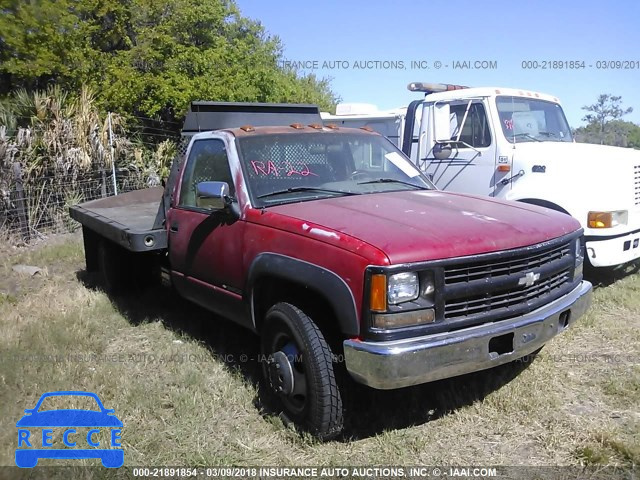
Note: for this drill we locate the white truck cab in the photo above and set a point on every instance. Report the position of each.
(516, 145)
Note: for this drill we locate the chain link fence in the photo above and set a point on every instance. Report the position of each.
(31, 209)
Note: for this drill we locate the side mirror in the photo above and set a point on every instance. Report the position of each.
(442, 122)
(442, 151)
(212, 195)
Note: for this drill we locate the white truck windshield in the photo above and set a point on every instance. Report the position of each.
(532, 120)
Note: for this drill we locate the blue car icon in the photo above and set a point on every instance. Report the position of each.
(27, 457)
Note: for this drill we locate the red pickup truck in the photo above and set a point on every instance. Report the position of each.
(333, 247)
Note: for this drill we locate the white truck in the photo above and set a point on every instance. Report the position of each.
(516, 145)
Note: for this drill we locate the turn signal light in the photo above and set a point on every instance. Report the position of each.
(378, 293)
(607, 219)
(504, 168)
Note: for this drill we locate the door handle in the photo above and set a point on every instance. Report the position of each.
(505, 181)
(174, 227)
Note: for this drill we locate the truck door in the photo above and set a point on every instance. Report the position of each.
(471, 166)
(205, 249)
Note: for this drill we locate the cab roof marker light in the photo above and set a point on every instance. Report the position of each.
(297, 126)
(433, 87)
(332, 126)
(316, 126)
(248, 128)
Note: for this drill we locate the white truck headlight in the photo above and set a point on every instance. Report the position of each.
(402, 287)
(607, 219)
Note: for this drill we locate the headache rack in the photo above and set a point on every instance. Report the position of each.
(207, 116)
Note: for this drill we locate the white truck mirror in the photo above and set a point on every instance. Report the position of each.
(441, 122)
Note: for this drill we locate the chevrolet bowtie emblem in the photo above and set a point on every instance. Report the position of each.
(529, 279)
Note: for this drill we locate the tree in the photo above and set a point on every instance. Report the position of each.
(606, 109)
(148, 58)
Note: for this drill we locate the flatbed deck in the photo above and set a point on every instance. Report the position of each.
(133, 220)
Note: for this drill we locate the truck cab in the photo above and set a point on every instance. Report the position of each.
(517, 145)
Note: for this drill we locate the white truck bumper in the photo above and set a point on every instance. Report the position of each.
(613, 250)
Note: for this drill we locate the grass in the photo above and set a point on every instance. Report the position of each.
(178, 379)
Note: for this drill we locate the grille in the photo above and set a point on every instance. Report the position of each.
(507, 298)
(486, 288)
(521, 263)
(636, 184)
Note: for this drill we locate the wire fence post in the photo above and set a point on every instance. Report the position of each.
(20, 202)
(113, 160)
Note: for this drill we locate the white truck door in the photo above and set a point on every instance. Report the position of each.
(472, 165)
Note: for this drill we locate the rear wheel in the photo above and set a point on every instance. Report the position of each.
(298, 371)
(111, 261)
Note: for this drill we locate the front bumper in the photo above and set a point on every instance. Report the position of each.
(401, 363)
(607, 252)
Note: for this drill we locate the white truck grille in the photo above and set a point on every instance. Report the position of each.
(636, 184)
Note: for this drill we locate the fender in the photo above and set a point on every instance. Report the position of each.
(325, 282)
(543, 203)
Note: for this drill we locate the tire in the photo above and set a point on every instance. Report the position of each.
(91, 242)
(112, 264)
(298, 372)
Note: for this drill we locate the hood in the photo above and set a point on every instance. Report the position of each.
(598, 177)
(413, 226)
(573, 150)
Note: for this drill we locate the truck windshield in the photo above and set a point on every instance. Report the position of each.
(294, 167)
(532, 120)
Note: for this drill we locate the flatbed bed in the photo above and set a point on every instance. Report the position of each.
(133, 220)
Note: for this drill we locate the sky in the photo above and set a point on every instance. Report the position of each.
(368, 48)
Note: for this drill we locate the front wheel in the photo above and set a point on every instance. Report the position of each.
(298, 369)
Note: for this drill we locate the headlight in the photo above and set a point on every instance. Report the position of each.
(403, 287)
(607, 219)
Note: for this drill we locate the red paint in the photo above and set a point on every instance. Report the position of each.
(305, 172)
(264, 170)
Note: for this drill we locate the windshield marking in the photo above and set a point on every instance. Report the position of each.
(264, 170)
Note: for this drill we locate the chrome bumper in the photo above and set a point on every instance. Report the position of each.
(396, 364)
